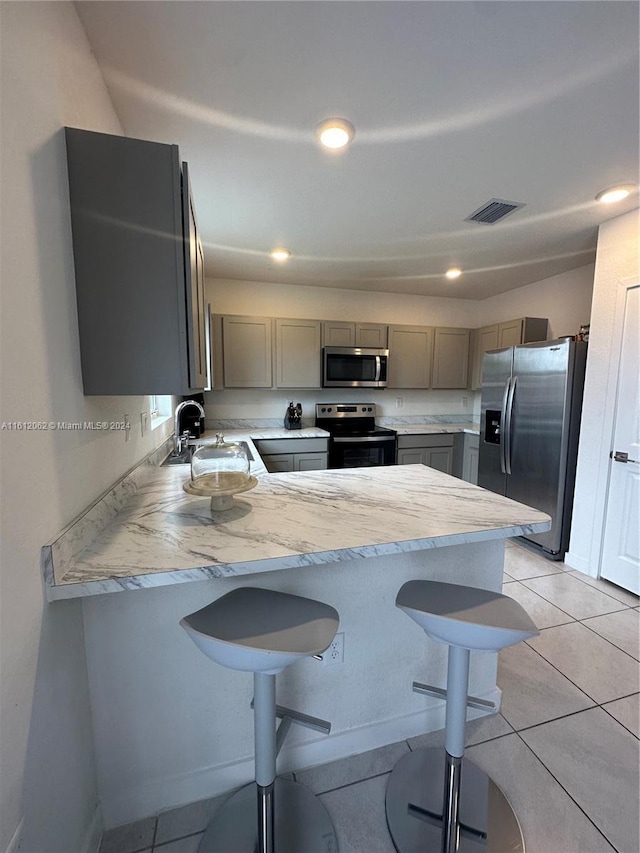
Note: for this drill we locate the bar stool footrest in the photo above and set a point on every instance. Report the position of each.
(414, 805)
(301, 822)
(441, 693)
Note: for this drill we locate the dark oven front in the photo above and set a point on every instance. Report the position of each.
(361, 451)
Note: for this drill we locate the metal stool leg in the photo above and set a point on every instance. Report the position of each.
(428, 811)
(455, 721)
(290, 818)
(264, 722)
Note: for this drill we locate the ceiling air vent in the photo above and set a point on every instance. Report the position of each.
(493, 211)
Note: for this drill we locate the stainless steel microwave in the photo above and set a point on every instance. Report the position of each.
(354, 367)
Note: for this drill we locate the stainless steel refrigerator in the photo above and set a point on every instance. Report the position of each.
(529, 427)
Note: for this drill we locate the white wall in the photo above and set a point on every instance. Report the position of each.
(617, 266)
(564, 299)
(49, 79)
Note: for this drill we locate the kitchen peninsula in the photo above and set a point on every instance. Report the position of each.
(162, 536)
(171, 728)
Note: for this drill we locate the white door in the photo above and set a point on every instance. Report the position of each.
(621, 545)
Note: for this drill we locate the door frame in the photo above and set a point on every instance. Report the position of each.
(627, 285)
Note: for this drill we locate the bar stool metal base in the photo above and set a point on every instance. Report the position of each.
(487, 821)
(301, 822)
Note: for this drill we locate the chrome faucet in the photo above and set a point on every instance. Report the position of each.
(180, 441)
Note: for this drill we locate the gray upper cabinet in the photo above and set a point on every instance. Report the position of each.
(139, 266)
(246, 352)
(298, 354)
(342, 333)
(371, 335)
(450, 358)
(338, 333)
(410, 356)
(510, 333)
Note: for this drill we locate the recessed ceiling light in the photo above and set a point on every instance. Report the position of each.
(280, 254)
(614, 194)
(453, 272)
(335, 133)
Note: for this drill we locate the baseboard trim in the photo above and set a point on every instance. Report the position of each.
(93, 835)
(578, 563)
(135, 803)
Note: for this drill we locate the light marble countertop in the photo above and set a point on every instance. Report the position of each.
(256, 433)
(432, 429)
(163, 536)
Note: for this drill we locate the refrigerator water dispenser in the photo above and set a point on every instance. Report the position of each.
(492, 426)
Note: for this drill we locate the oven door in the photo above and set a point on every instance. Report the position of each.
(353, 451)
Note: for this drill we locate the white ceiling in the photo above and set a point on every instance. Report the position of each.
(454, 103)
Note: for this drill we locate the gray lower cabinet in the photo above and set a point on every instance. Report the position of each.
(139, 266)
(471, 449)
(435, 451)
(293, 454)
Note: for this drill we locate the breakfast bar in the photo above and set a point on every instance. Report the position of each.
(163, 536)
(170, 727)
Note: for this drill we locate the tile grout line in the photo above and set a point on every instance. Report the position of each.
(582, 622)
(623, 607)
(537, 757)
(158, 847)
(606, 710)
(535, 592)
(606, 639)
(560, 671)
(586, 583)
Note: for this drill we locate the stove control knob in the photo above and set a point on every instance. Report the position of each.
(370, 409)
(329, 409)
(323, 409)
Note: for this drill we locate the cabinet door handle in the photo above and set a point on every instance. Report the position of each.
(619, 456)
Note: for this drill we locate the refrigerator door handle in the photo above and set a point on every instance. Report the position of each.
(503, 423)
(508, 424)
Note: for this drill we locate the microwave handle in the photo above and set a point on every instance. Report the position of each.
(378, 368)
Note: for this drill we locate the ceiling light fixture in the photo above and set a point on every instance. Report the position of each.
(280, 254)
(335, 133)
(614, 194)
(453, 272)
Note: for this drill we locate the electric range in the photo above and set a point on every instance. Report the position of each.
(355, 439)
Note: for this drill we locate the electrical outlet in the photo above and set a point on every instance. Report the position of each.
(127, 428)
(144, 423)
(465, 400)
(334, 655)
(399, 402)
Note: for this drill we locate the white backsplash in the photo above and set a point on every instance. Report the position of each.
(239, 408)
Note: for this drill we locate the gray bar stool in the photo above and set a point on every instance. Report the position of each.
(427, 808)
(262, 631)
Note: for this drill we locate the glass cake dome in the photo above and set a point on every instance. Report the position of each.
(220, 467)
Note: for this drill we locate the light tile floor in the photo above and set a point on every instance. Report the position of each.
(564, 747)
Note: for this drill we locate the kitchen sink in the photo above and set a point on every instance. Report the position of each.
(185, 457)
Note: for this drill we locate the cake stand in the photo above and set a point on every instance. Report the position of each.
(221, 498)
